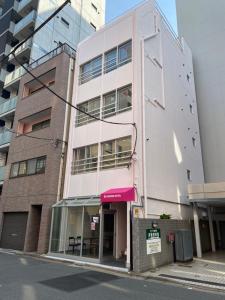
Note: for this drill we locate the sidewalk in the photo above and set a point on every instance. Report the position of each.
(199, 273)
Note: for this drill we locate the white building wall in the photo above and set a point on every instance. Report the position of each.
(80, 14)
(201, 22)
(169, 125)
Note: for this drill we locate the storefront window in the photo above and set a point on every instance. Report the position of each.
(74, 231)
(56, 228)
(91, 232)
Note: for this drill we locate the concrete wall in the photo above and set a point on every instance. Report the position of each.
(201, 23)
(143, 262)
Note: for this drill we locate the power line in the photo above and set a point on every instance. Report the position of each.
(78, 109)
(56, 94)
(56, 140)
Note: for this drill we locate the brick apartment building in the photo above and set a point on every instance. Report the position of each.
(35, 164)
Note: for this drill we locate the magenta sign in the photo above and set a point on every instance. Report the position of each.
(118, 195)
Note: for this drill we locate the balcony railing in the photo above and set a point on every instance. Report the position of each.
(83, 119)
(115, 160)
(31, 17)
(85, 165)
(2, 173)
(23, 47)
(14, 76)
(63, 48)
(8, 106)
(5, 137)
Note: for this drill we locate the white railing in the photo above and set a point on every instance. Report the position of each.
(31, 17)
(24, 46)
(119, 159)
(88, 75)
(85, 165)
(83, 119)
(113, 64)
(14, 76)
(111, 110)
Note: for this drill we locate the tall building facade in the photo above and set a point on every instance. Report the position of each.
(45, 52)
(133, 70)
(201, 23)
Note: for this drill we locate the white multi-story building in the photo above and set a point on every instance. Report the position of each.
(132, 71)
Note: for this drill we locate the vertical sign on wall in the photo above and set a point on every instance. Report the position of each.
(153, 241)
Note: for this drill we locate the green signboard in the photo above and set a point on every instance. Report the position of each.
(153, 241)
(153, 233)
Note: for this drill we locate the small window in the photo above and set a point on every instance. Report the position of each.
(188, 78)
(94, 7)
(110, 60)
(91, 70)
(67, 24)
(124, 99)
(194, 142)
(22, 168)
(109, 105)
(40, 166)
(91, 107)
(85, 159)
(191, 109)
(116, 153)
(93, 26)
(189, 175)
(125, 53)
(14, 170)
(41, 125)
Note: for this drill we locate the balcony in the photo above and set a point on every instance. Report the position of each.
(22, 53)
(8, 107)
(25, 6)
(25, 26)
(5, 138)
(12, 79)
(2, 173)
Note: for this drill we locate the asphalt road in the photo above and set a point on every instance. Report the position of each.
(28, 278)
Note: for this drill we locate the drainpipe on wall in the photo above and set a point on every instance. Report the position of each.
(66, 131)
(144, 175)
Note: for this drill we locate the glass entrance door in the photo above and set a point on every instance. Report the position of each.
(108, 234)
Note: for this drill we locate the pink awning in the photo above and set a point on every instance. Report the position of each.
(118, 195)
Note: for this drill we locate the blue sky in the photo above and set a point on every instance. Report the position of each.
(115, 8)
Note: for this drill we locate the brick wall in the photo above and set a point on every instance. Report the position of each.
(143, 262)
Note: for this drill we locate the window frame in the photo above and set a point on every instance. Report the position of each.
(118, 62)
(26, 162)
(41, 124)
(119, 159)
(94, 72)
(86, 118)
(87, 161)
